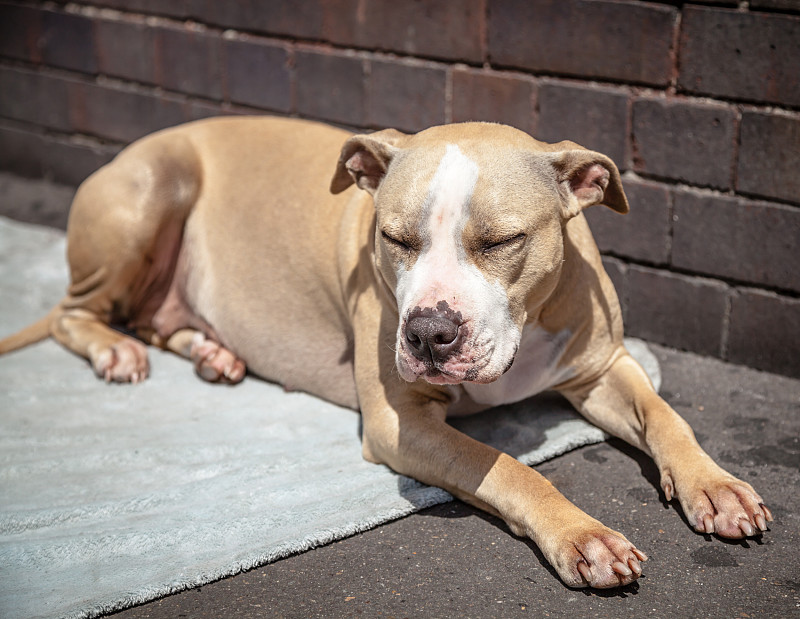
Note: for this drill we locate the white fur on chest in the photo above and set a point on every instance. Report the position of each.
(535, 369)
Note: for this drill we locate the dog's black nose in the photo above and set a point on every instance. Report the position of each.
(432, 336)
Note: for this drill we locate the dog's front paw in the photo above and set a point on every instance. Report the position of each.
(123, 362)
(595, 556)
(215, 363)
(716, 502)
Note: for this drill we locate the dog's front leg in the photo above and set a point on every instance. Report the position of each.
(410, 435)
(623, 402)
(404, 427)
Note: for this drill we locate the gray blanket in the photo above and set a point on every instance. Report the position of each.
(113, 495)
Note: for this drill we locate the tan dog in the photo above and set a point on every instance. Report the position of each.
(462, 277)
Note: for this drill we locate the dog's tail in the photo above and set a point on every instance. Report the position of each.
(31, 334)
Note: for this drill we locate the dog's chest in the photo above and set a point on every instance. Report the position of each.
(536, 368)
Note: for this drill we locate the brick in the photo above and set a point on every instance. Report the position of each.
(629, 42)
(715, 2)
(197, 110)
(676, 310)
(19, 94)
(302, 20)
(258, 74)
(169, 8)
(778, 5)
(682, 2)
(735, 238)
(68, 42)
(685, 141)
(644, 233)
(594, 117)
(32, 154)
(35, 98)
(749, 56)
(427, 28)
(237, 15)
(53, 103)
(493, 97)
(126, 50)
(331, 87)
(189, 61)
(765, 332)
(406, 96)
(21, 152)
(70, 162)
(120, 115)
(769, 156)
(20, 32)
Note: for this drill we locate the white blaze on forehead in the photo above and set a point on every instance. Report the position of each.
(444, 216)
(449, 195)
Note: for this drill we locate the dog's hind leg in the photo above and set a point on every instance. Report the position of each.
(211, 360)
(114, 356)
(123, 240)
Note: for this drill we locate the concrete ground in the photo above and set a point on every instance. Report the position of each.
(454, 561)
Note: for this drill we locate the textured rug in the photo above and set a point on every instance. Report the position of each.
(113, 495)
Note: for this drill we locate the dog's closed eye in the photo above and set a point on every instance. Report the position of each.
(493, 246)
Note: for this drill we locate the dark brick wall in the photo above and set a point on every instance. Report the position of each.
(697, 102)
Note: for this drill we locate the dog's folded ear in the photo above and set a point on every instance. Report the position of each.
(365, 159)
(587, 177)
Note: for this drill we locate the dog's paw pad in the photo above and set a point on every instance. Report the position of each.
(124, 362)
(215, 363)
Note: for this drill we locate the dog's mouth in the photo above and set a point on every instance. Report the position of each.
(477, 369)
(438, 376)
(436, 372)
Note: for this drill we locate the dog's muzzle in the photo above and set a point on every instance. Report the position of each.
(438, 345)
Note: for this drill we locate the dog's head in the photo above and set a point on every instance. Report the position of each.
(469, 236)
